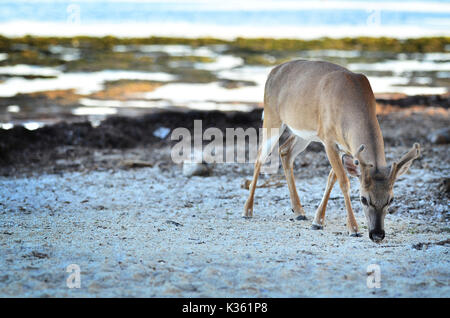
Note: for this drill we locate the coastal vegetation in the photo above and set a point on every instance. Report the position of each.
(99, 53)
(411, 45)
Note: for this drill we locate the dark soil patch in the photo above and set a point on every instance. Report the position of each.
(25, 150)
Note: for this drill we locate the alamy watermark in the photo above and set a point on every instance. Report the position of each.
(374, 17)
(74, 279)
(73, 11)
(235, 146)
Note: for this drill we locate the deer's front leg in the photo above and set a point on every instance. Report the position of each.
(344, 183)
(320, 213)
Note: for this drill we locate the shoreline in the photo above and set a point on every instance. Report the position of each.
(42, 78)
(437, 43)
(131, 81)
(226, 32)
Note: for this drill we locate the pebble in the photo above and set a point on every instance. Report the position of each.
(195, 169)
(440, 137)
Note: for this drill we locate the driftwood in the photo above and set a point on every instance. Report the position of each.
(267, 184)
(136, 164)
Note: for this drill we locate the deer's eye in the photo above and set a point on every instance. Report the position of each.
(364, 201)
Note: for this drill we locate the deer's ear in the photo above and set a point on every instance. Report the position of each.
(400, 167)
(404, 168)
(350, 166)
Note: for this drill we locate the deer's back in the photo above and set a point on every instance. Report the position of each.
(299, 90)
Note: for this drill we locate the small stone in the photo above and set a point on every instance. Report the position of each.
(444, 186)
(195, 169)
(246, 184)
(440, 137)
(93, 287)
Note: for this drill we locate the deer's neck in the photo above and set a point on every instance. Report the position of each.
(369, 134)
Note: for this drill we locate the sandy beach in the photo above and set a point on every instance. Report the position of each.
(153, 232)
(87, 178)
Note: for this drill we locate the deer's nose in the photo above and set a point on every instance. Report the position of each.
(376, 236)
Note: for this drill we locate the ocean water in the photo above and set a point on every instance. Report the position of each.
(411, 74)
(226, 19)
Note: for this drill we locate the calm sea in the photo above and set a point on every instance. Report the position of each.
(228, 19)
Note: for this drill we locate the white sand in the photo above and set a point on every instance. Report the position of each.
(114, 225)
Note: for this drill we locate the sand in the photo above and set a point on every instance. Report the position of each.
(152, 232)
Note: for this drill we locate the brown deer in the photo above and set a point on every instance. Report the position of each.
(321, 101)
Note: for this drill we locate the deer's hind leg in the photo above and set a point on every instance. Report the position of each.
(288, 152)
(272, 131)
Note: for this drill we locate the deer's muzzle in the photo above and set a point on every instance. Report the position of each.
(377, 235)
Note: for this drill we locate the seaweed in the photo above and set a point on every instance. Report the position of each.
(243, 45)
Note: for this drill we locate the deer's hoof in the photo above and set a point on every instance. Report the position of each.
(248, 210)
(316, 227)
(356, 234)
(299, 217)
(247, 217)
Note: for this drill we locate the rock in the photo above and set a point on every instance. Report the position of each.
(246, 184)
(440, 137)
(174, 223)
(196, 169)
(188, 287)
(196, 165)
(425, 245)
(94, 287)
(39, 254)
(444, 186)
(136, 164)
(171, 289)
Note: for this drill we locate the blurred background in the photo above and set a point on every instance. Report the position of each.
(85, 60)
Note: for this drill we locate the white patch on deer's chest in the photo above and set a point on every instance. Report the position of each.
(308, 135)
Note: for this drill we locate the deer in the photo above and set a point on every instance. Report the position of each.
(325, 102)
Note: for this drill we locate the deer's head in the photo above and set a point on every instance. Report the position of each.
(376, 186)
